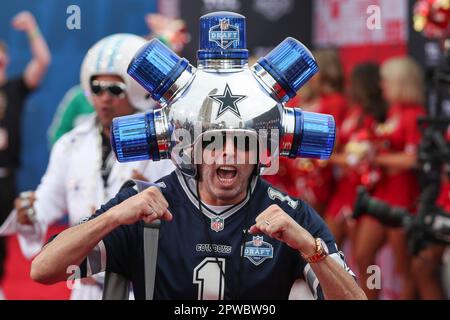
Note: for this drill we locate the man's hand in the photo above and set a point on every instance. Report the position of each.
(148, 205)
(277, 224)
(23, 204)
(24, 21)
(335, 281)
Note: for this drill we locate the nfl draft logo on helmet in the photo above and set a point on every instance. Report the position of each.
(224, 34)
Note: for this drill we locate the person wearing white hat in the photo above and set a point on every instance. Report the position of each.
(83, 172)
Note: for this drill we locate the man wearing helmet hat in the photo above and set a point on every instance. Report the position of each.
(83, 172)
(225, 233)
(74, 106)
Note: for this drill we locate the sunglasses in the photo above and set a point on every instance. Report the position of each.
(218, 139)
(114, 88)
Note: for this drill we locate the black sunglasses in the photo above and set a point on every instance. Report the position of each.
(241, 142)
(114, 88)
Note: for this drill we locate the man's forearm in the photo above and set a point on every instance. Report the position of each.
(336, 282)
(399, 160)
(38, 66)
(39, 48)
(70, 247)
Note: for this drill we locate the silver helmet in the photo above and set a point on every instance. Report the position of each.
(111, 56)
(222, 95)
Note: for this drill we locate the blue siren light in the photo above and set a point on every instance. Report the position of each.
(133, 138)
(316, 134)
(157, 68)
(290, 65)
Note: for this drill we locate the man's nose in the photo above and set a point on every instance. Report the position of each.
(104, 96)
(229, 152)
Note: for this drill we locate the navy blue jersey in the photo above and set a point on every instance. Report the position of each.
(197, 248)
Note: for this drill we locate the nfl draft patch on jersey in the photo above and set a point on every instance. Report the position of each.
(257, 250)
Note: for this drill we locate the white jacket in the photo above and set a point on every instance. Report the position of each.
(73, 184)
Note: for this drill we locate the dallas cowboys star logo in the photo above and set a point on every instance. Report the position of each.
(227, 102)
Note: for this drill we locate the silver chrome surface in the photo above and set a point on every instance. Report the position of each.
(195, 111)
(162, 133)
(183, 80)
(196, 108)
(224, 64)
(269, 83)
(287, 131)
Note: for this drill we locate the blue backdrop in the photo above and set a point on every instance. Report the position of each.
(99, 18)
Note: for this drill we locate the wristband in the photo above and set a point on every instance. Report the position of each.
(35, 33)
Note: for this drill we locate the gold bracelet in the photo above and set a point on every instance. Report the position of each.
(320, 254)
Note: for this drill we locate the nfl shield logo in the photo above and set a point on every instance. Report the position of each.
(257, 241)
(217, 224)
(224, 24)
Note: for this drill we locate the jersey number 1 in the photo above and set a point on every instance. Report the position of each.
(208, 277)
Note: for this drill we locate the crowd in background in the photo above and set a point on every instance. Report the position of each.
(376, 111)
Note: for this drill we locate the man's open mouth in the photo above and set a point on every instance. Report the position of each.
(226, 174)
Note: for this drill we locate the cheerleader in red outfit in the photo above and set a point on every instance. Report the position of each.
(329, 85)
(402, 83)
(353, 146)
(312, 180)
(307, 179)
